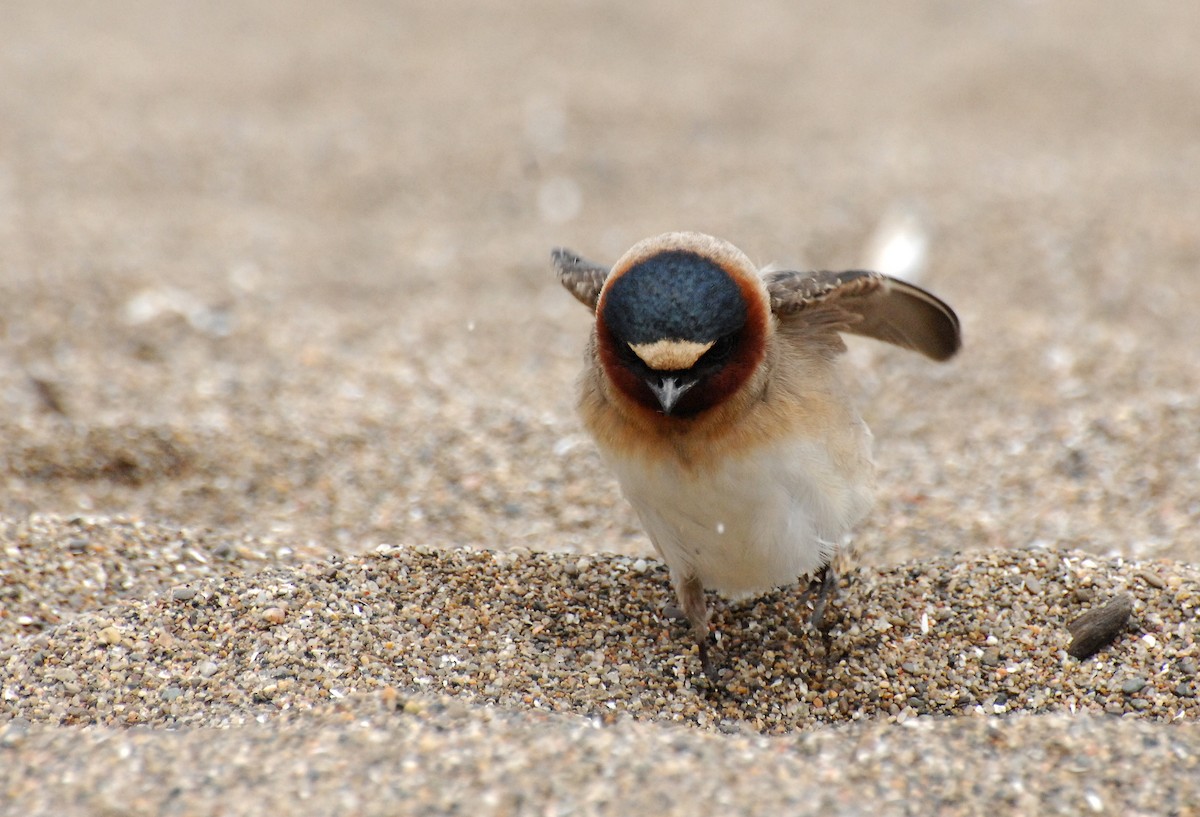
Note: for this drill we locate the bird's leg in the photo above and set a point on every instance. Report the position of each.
(829, 582)
(690, 592)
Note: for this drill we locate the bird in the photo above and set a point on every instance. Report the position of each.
(711, 388)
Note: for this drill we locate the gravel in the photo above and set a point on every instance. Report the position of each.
(960, 637)
(295, 513)
(430, 755)
(54, 567)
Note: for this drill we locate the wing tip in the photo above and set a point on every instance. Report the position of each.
(582, 278)
(563, 259)
(944, 338)
(948, 344)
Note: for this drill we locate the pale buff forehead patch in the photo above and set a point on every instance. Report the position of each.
(670, 355)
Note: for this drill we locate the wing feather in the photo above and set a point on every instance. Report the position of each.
(875, 306)
(582, 278)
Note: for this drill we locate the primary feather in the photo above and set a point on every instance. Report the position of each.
(876, 306)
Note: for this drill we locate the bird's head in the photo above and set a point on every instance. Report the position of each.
(682, 323)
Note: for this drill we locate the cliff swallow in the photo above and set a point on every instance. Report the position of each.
(711, 389)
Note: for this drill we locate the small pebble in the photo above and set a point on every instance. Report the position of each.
(274, 615)
(1133, 684)
(183, 593)
(1152, 579)
(64, 674)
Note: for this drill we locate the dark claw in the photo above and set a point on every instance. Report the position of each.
(706, 664)
(828, 581)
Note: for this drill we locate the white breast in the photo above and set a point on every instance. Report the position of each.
(757, 521)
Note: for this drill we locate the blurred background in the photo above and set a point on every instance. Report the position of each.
(280, 270)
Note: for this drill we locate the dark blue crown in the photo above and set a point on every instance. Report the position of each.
(675, 295)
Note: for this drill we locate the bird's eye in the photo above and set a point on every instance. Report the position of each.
(721, 350)
(626, 354)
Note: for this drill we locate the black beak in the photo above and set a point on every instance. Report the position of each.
(668, 389)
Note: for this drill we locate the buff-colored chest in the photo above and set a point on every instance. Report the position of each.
(753, 496)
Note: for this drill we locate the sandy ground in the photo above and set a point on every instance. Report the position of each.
(274, 291)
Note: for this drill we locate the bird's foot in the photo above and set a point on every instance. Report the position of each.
(822, 587)
(693, 609)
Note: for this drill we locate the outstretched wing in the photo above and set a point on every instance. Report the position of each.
(581, 277)
(877, 306)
